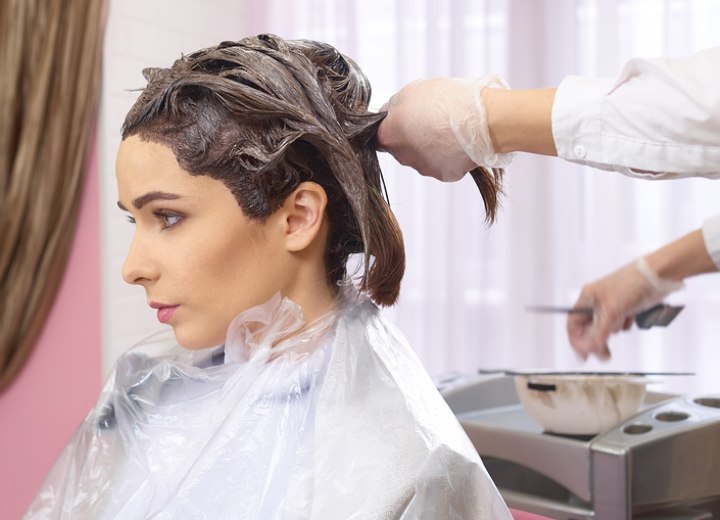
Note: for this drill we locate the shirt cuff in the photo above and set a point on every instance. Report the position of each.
(577, 118)
(711, 234)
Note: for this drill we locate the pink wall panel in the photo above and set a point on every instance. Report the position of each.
(61, 380)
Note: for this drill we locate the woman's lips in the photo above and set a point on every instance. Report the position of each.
(166, 312)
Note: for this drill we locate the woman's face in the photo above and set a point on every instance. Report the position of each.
(200, 260)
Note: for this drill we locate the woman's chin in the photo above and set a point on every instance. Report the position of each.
(195, 342)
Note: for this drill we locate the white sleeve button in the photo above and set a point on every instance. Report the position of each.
(580, 151)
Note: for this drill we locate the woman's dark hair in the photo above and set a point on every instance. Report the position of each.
(263, 115)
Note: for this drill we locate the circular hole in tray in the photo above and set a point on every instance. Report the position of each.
(713, 402)
(672, 416)
(637, 429)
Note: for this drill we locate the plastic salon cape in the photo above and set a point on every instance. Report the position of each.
(340, 421)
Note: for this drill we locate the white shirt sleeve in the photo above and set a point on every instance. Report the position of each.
(711, 234)
(659, 119)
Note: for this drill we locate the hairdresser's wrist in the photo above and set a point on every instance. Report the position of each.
(520, 120)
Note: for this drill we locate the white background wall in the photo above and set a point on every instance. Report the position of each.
(466, 287)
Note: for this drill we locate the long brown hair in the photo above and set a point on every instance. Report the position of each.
(263, 115)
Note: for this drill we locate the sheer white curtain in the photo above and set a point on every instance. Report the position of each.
(463, 298)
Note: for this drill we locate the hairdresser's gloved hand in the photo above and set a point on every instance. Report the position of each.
(439, 127)
(616, 299)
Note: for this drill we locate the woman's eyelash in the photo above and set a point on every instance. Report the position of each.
(168, 219)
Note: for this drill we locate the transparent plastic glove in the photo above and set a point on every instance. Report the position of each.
(439, 127)
(616, 299)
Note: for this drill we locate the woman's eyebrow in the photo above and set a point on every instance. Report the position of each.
(149, 197)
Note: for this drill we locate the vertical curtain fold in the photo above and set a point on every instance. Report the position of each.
(50, 55)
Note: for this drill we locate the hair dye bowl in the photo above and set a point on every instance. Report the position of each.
(579, 404)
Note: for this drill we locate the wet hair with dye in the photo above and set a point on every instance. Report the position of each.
(263, 115)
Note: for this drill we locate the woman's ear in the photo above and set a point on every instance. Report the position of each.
(304, 212)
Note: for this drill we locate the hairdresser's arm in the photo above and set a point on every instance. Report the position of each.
(520, 120)
(658, 118)
(617, 297)
(444, 127)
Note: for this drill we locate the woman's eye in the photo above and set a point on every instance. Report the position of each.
(168, 219)
(130, 219)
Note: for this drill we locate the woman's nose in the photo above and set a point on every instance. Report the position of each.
(139, 268)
